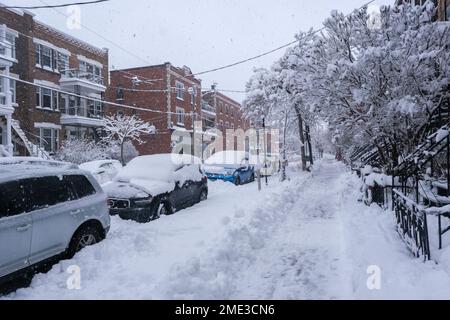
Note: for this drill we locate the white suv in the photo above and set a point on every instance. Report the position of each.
(47, 211)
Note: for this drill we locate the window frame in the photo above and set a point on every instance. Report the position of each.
(181, 114)
(54, 99)
(54, 139)
(179, 90)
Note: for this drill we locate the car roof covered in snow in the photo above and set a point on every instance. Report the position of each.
(95, 165)
(22, 168)
(227, 157)
(157, 166)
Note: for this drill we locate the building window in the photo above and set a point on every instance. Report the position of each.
(120, 93)
(48, 139)
(91, 72)
(221, 107)
(180, 90)
(447, 11)
(2, 92)
(11, 43)
(46, 98)
(180, 116)
(12, 87)
(63, 63)
(46, 57)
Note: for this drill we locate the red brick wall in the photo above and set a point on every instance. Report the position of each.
(154, 97)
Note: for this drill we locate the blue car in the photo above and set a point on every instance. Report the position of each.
(231, 166)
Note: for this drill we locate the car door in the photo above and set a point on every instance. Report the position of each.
(53, 222)
(15, 227)
(182, 194)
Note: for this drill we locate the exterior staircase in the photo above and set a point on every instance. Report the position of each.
(33, 150)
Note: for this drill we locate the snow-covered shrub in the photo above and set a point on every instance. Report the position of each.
(129, 151)
(81, 150)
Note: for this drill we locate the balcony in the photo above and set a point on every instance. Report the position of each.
(208, 110)
(76, 77)
(6, 54)
(82, 116)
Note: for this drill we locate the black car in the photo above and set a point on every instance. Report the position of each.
(150, 186)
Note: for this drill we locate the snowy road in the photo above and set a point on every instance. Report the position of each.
(303, 239)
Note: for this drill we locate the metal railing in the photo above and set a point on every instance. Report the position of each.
(83, 111)
(411, 224)
(81, 74)
(208, 108)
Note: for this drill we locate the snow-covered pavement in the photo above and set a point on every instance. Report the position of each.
(307, 238)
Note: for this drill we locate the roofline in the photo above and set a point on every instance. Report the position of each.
(68, 36)
(228, 98)
(20, 12)
(143, 67)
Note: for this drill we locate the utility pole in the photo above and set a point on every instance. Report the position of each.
(258, 166)
(308, 136)
(265, 150)
(302, 137)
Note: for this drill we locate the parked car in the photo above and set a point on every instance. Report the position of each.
(231, 166)
(47, 212)
(268, 164)
(149, 186)
(34, 161)
(102, 170)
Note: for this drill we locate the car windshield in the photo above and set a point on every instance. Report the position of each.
(160, 167)
(227, 158)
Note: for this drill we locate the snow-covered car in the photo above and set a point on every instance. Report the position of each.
(46, 212)
(34, 161)
(102, 170)
(230, 166)
(268, 164)
(149, 186)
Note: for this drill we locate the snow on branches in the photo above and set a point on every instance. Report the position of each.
(123, 128)
(371, 82)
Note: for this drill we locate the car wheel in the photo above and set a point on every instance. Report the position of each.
(237, 181)
(165, 208)
(83, 238)
(203, 196)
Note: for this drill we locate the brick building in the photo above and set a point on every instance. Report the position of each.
(40, 116)
(169, 96)
(221, 112)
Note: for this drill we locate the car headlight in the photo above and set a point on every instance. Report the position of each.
(143, 202)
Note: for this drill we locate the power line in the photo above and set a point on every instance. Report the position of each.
(99, 35)
(87, 97)
(270, 51)
(48, 6)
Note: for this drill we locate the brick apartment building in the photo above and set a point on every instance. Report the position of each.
(443, 7)
(221, 112)
(35, 117)
(172, 99)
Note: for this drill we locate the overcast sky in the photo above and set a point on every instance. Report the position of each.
(201, 34)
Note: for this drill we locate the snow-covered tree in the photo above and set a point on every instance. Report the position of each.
(123, 128)
(372, 83)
